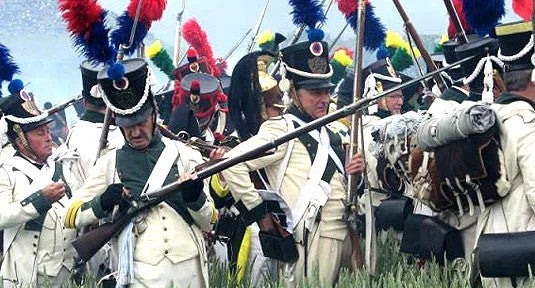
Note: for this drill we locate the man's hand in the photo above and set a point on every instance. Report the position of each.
(217, 154)
(112, 196)
(53, 191)
(356, 164)
(191, 187)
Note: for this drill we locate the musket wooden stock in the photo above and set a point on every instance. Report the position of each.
(357, 259)
(420, 45)
(90, 242)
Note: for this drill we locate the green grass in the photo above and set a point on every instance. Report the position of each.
(394, 270)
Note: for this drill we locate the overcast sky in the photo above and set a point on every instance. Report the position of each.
(49, 62)
(225, 21)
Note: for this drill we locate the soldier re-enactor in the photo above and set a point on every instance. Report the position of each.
(325, 241)
(37, 247)
(168, 247)
(516, 114)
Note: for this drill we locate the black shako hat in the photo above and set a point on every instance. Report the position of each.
(21, 114)
(129, 97)
(307, 65)
(516, 49)
(479, 48)
(89, 80)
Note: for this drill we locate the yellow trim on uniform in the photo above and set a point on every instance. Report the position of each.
(345, 122)
(243, 254)
(215, 215)
(70, 219)
(513, 28)
(221, 189)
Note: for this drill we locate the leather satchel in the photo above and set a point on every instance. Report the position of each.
(506, 254)
(392, 212)
(460, 174)
(427, 237)
(278, 244)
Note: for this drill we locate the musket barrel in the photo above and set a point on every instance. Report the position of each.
(88, 241)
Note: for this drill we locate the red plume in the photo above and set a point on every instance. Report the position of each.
(151, 10)
(452, 33)
(197, 38)
(348, 6)
(523, 8)
(80, 14)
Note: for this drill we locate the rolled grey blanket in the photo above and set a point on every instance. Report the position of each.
(467, 120)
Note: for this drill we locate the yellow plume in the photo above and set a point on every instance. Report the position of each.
(265, 36)
(341, 57)
(153, 49)
(443, 39)
(394, 40)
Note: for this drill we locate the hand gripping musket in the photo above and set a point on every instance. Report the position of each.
(419, 44)
(352, 184)
(257, 27)
(89, 243)
(461, 34)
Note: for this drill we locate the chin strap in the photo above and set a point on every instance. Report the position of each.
(24, 141)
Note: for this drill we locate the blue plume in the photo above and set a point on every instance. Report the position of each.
(15, 86)
(8, 67)
(309, 12)
(315, 35)
(116, 71)
(382, 52)
(122, 34)
(483, 15)
(374, 30)
(95, 47)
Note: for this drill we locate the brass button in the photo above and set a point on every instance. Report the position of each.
(163, 217)
(164, 229)
(166, 251)
(34, 244)
(35, 236)
(165, 240)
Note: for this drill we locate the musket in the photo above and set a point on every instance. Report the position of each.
(420, 45)
(331, 46)
(297, 34)
(64, 105)
(352, 184)
(257, 27)
(461, 34)
(233, 49)
(89, 243)
(178, 34)
(202, 146)
(103, 141)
